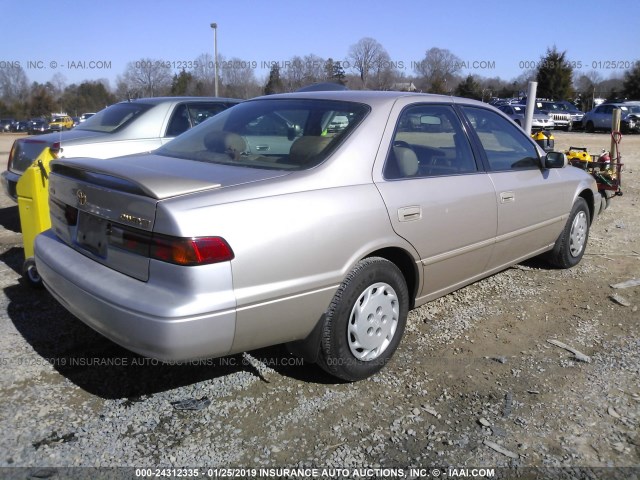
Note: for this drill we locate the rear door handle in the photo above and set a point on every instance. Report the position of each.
(506, 197)
(407, 214)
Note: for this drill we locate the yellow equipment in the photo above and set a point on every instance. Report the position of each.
(33, 207)
(578, 154)
(545, 139)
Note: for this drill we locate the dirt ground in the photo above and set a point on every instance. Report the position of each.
(475, 383)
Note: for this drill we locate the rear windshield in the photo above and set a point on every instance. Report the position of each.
(114, 117)
(291, 134)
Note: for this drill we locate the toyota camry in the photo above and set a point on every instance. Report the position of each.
(315, 219)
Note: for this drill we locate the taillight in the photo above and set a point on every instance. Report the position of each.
(55, 149)
(190, 251)
(178, 250)
(10, 161)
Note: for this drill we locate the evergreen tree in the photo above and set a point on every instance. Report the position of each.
(631, 85)
(181, 83)
(469, 88)
(554, 76)
(274, 85)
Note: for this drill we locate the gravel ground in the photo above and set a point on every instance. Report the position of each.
(475, 384)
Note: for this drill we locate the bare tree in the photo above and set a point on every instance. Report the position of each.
(367, 56)
(146, 77)
(301, 71)
(238, 78)
(204, 73)
(383, 74)
(438, 69)
(13, 84)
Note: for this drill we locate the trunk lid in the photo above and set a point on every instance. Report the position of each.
(27, 149)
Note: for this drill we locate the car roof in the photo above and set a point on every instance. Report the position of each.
(159, 100)
(371, 97)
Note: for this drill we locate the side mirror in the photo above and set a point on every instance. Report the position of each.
(555, 160)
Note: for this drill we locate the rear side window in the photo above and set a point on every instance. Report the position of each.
(429, 141)
(505, 144)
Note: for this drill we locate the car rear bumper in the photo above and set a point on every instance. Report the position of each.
(149, 318)
(9, 181)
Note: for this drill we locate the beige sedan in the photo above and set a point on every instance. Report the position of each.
(316, 219)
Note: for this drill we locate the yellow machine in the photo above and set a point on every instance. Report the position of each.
(545, 139)
(578, 154)
(33, 207)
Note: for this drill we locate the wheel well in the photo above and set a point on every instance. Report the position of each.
(407, 265)
(588, 197)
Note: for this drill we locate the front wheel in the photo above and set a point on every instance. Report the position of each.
(365, 321)
(572, 242)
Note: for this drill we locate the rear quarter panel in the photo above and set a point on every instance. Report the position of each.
(292, 251)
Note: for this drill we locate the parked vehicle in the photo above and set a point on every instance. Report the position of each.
(561, 118)
(601, 117)
(21, 126)
(233, 236)
(517, 113)
(86, 116)
(58, 124)
(121, 129)
(576, 114)
(6, 124)
(34, 127)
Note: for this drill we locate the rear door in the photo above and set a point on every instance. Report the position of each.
(531, 201)
(437, 197)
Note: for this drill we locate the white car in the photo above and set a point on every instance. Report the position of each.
(121, 129)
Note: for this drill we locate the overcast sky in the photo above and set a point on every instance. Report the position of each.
(88, 40)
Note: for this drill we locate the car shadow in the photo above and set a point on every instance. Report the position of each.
(103, 368)
(10, 219)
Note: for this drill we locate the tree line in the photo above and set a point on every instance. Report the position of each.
(366, 66)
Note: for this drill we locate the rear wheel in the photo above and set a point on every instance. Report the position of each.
(572, 242)
(365, 321)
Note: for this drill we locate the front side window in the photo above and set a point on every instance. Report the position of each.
(429, 141)
(277, 134)
(505, 144)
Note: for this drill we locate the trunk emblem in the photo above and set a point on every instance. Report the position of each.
(82, 197)
(141, 222)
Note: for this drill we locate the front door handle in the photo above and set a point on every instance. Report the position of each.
(407, 214)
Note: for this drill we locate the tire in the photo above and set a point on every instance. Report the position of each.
(365, 321)
(30, 273)
(572, 242)
(589, 127)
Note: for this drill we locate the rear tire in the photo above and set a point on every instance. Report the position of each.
(365, 321)
(572, 242)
